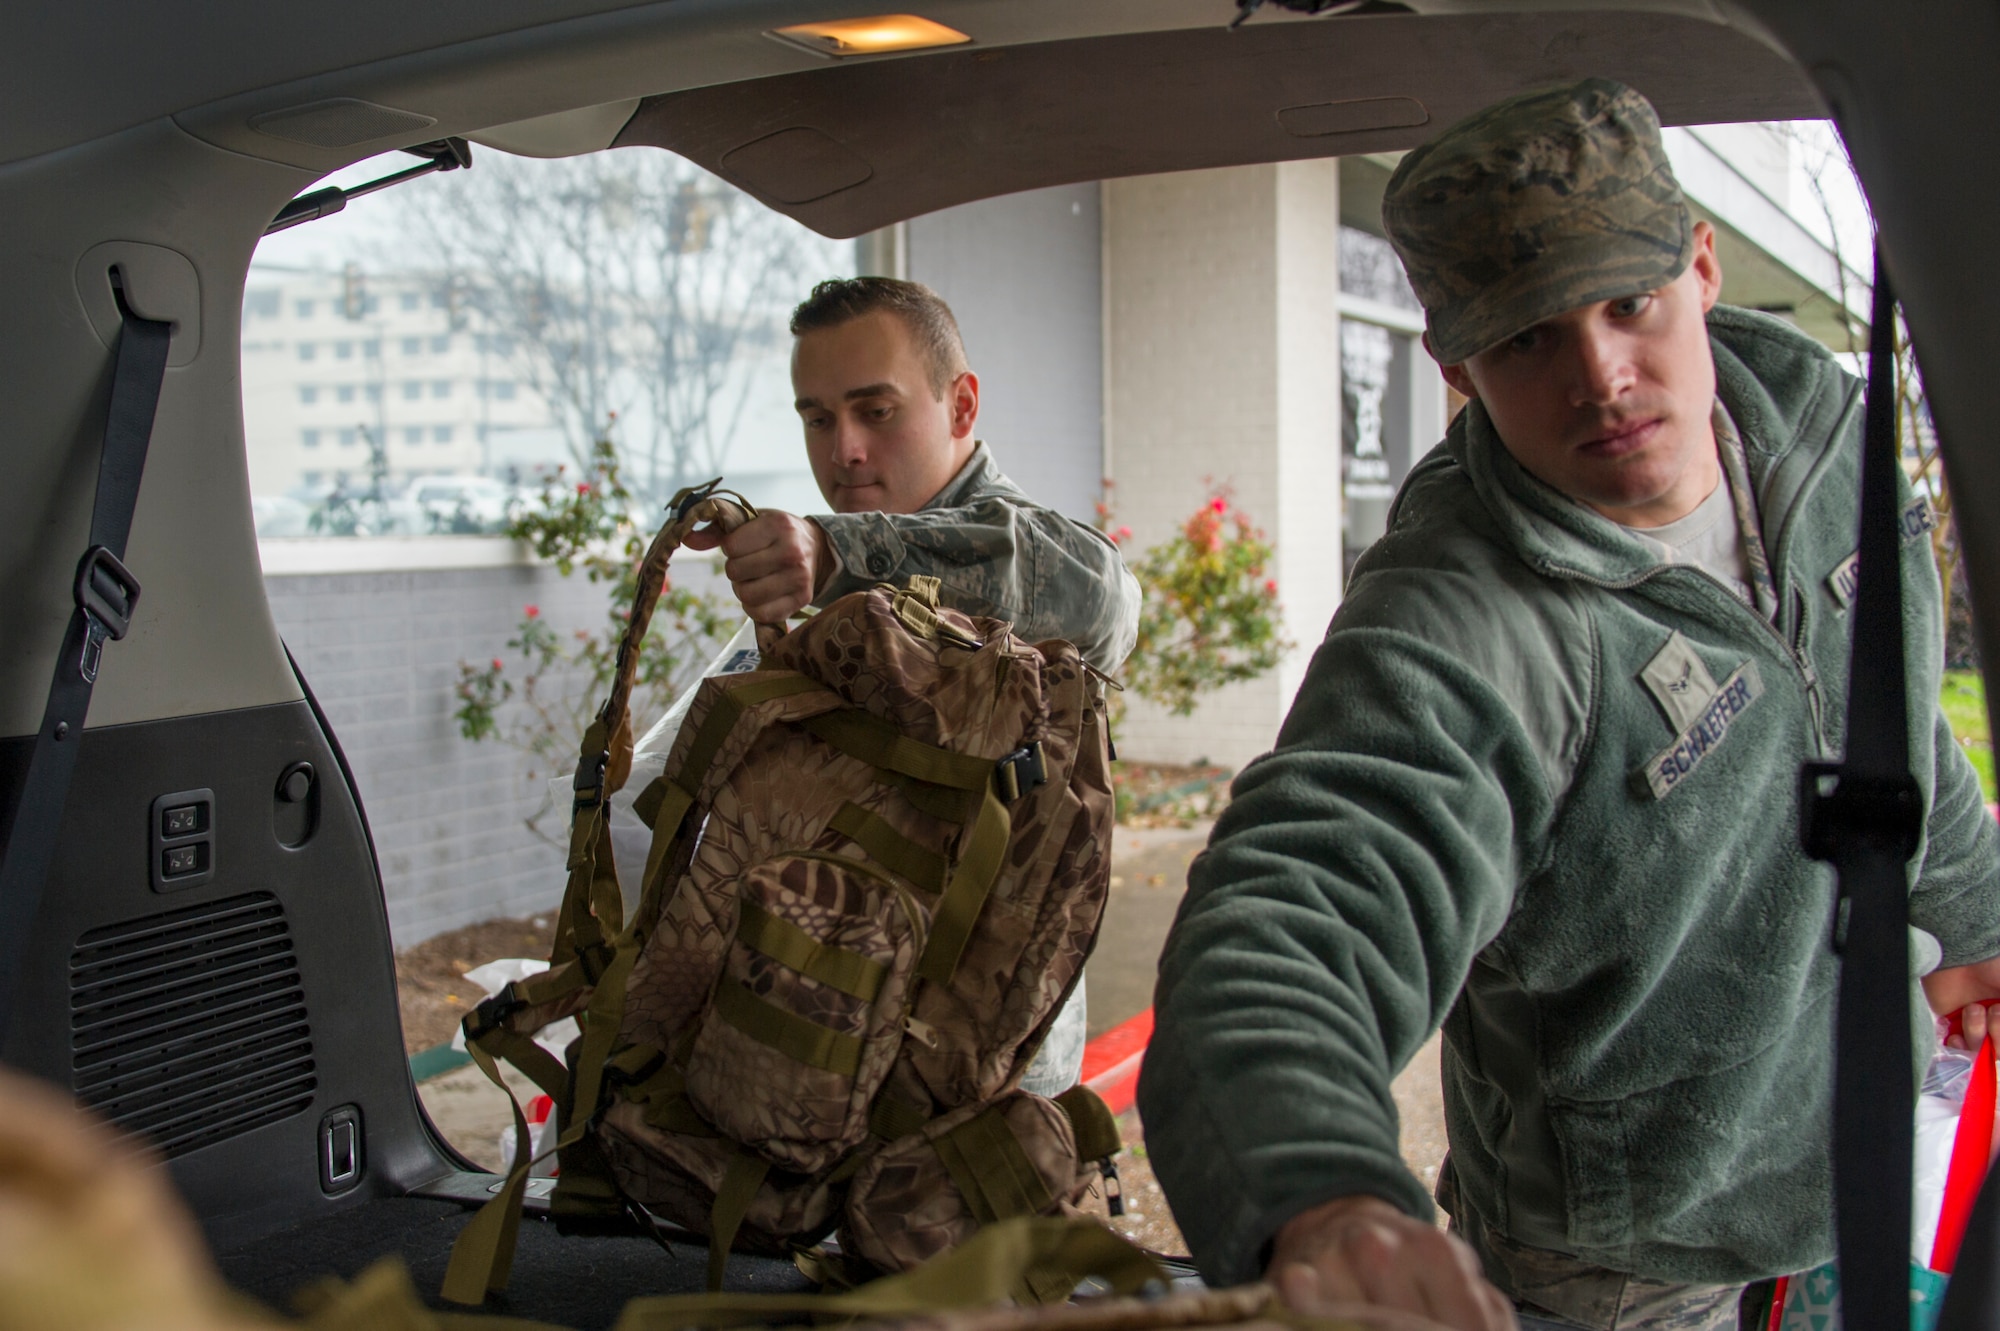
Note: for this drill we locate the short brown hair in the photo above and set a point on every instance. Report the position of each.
(840, 299)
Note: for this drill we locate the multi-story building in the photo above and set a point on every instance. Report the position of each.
(346, 371)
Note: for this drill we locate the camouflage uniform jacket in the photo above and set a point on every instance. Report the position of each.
(999, 554)
(1541, 789)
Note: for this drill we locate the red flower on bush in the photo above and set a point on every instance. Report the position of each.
(497, 665)
(1209, 614)
(531, 611)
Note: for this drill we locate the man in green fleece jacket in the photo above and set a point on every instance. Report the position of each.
(1540, 787)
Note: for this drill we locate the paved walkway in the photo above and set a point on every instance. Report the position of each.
(1149, 875)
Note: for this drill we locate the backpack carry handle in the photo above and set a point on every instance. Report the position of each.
(726, 511)
(693, 507)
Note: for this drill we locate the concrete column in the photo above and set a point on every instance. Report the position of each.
(1021, 275)
(1222, 367)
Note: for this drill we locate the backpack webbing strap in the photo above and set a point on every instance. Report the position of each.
(482, 1258)
(591, 908)
(536, 1063)
(954, 806)
(483, 1253)
(1869, 825)
(106, 595)
(874, 741)
(892, 1116)
(676, 1113)
(994, 1265)
(600, 1022)
(664, 804)
(738, 1189)
(889, 848)
(992, 1172)
(792, 947)
(965, 896)
(733, 701)
(797, 1038)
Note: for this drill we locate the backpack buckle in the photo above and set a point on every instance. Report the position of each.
(687, 497)
(107, 593)
(487, 1016)
(588, 787)
(1021, 771)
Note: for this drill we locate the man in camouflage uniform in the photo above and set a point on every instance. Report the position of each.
(889, 404)
(1539, 787)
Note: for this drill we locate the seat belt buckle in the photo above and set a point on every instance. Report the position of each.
(1842, 812)
(1021, 771)
(107, 593)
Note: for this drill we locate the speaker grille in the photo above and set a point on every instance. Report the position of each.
(339, 122)
(190, 1027)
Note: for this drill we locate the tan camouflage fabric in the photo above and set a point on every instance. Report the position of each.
(907, 1204)
(1244, 1308)
(859, 916)
(1539, 204)
(1000, 555)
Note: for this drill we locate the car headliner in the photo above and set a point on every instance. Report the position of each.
(184, 128)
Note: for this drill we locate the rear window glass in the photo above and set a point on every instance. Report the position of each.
(423, 362)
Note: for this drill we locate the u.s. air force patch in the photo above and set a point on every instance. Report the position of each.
(1919, 519)
(1705, 732)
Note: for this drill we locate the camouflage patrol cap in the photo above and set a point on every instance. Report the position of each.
(1538, 204)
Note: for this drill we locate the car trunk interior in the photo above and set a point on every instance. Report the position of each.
(247, 1022)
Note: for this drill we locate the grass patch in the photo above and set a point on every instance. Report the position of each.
(1963, 697)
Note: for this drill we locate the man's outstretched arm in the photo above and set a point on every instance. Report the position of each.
(1001, 557)
(1327, 929)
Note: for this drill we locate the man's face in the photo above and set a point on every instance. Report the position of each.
(1610, 403)
(879, 438)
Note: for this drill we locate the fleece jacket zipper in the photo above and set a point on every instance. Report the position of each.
(1792, 649)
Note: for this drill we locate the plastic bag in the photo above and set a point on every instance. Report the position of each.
(1954, 1143)
(542, 1134)
(497, 975)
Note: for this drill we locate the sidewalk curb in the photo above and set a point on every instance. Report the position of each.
(1111, 1061)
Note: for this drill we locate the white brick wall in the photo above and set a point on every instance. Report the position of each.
(1222, 365)
(381, 652)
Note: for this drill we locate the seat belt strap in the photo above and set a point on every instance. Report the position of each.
(1865, 815)
(105, 594)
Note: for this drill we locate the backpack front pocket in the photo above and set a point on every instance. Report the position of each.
(807, 1014)
(928, 1192)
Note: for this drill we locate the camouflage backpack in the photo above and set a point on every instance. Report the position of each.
(878, 863)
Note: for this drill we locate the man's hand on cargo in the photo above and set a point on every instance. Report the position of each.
(1962, 992)
(1363, 1250)
(776, 563)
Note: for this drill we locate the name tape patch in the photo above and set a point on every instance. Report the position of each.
(1919, 520)
(1705, 734)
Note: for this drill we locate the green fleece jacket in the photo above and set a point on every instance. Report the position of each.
(1479, 814)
